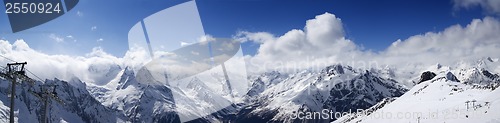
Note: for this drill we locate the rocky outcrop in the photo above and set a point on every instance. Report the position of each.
(450, 76)
(427, 75)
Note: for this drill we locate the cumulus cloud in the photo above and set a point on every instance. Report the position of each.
(476, 40)
(490, 6)
(99, 67)
(322, 42)
(96, 67)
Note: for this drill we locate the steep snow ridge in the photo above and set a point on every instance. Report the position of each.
(134, 100)
(185, 99)
(479, 72)
(474, 75)
(119, 91)
(262, 82)
(408, 75)
(309, 91)
(441, 99)
(206, 93)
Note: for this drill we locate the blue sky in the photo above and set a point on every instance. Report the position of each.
(372, 24)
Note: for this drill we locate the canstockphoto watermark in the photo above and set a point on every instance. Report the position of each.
(365, 114)
(324, 114)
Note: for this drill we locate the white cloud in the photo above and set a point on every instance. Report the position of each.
(100, 40)
(476, 40)
(96, 67)
(67, 67)
(56, 38)
(322, 42)
(93, 28)
(490, 6)
(259, 37)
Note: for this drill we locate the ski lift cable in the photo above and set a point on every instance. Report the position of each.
(34, 75)
(7, 58)
(24, 68)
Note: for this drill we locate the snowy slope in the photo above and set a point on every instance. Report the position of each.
(447, 97)
(22, 113)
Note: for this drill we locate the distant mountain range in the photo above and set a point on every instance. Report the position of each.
(272, 97)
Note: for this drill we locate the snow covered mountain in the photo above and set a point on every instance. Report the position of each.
(139, 101)
(276, 97)
(272, 97)
(466, 93)
(123, 98)
(77, 104)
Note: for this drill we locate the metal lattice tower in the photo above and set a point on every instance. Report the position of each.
(47, 92)
(14, 72)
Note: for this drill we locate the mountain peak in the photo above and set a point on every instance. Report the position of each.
(336, 69)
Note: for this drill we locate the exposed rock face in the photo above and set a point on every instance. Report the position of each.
(451, 77)
(489, 75)
(335, 70)
(427, 75)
